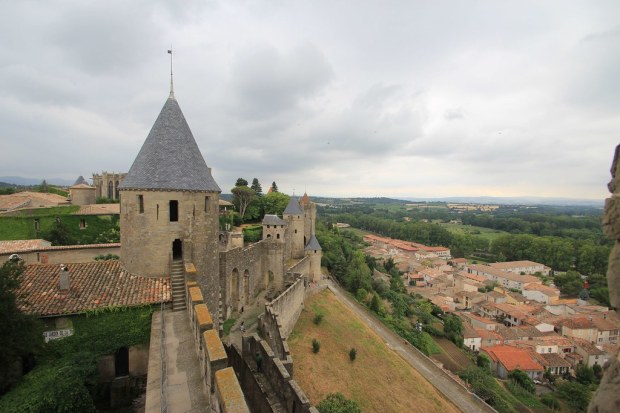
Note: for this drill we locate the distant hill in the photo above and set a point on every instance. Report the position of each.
(523, 201)
(520, 200)
(18, 180)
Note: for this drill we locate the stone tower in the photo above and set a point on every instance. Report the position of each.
(313, 250)
(294, 215)
(169, 206)
(309, 208)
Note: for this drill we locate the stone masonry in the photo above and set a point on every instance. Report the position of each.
(607, 398)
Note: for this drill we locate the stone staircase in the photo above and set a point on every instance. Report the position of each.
(177, 282)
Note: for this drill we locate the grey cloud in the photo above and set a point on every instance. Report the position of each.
(267, 82)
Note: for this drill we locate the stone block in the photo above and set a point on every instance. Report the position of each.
(611, 217)
(613, 276)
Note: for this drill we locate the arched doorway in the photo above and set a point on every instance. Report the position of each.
(246, 287)
(177, 249)
(234, 289)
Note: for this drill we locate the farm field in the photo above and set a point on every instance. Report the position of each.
(480, 232)
(378, 379)
(452, 357)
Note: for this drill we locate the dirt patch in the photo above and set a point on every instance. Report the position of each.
(379, 379)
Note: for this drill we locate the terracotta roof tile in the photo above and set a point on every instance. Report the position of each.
(514, 358)
(93, 285)
(17, 246)
(99, 209)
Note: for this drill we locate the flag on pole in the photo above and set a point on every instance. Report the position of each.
(169, 51)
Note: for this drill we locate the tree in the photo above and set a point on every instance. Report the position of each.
(522, 379)
(241, 182)
(453, 327)
(60, 234)
(274, 203)
(337, 403)
(274, 187)
(20, 335)
(242, 197)
(43, 187)
(257, 187)
(585, 374)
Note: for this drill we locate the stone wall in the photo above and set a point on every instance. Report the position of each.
(279, 375)
(607, 397)
(66, 254)
(148, 234)
(224, 391)
(241, 277)
(289, 304)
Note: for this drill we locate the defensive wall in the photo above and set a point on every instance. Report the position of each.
(221, 384)
(274, 389)
(66, 254)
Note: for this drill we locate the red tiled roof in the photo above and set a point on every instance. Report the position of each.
(99, 209)
(93, 285)
(17, 246)
(578, 323)
(513, 358)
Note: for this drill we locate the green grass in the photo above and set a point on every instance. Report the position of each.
(228, 325)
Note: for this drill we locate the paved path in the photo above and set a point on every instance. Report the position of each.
(184, 389)
(451, 390)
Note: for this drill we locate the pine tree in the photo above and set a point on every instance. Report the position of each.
(274, 187)
(256, 187)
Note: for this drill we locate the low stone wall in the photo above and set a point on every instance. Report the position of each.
(66, 254)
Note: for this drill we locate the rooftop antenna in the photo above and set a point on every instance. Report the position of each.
(171, 83)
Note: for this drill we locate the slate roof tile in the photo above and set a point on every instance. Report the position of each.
(170, 158)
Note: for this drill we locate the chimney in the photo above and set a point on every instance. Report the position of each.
(64, 284)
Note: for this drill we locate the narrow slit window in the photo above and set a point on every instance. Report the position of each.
(141, 204)
(206, 204)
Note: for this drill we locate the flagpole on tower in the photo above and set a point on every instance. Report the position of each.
(171, 83)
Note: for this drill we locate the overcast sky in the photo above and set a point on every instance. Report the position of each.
(336, 98)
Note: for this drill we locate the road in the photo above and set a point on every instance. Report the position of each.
(451, 389)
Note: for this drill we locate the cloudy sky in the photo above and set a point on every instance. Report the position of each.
(338, 98)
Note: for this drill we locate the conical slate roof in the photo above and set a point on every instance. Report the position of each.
(313, 244)
(80, 180)
(170, 158)
(293, 207)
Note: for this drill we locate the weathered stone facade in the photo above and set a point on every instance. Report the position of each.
(607, 397)
(82, 194)
(160, 226)
(107, 184)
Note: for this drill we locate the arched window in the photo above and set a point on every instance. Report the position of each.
(110, 189)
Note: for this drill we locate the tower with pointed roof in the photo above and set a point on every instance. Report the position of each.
(294, 215)
(169, 205)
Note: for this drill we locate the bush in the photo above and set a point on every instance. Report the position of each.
(316, 345)
(352, 354)
(317, 319)
(551, 402)
(483, 361)
(337, 403)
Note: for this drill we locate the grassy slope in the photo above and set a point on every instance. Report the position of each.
(379, 379)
